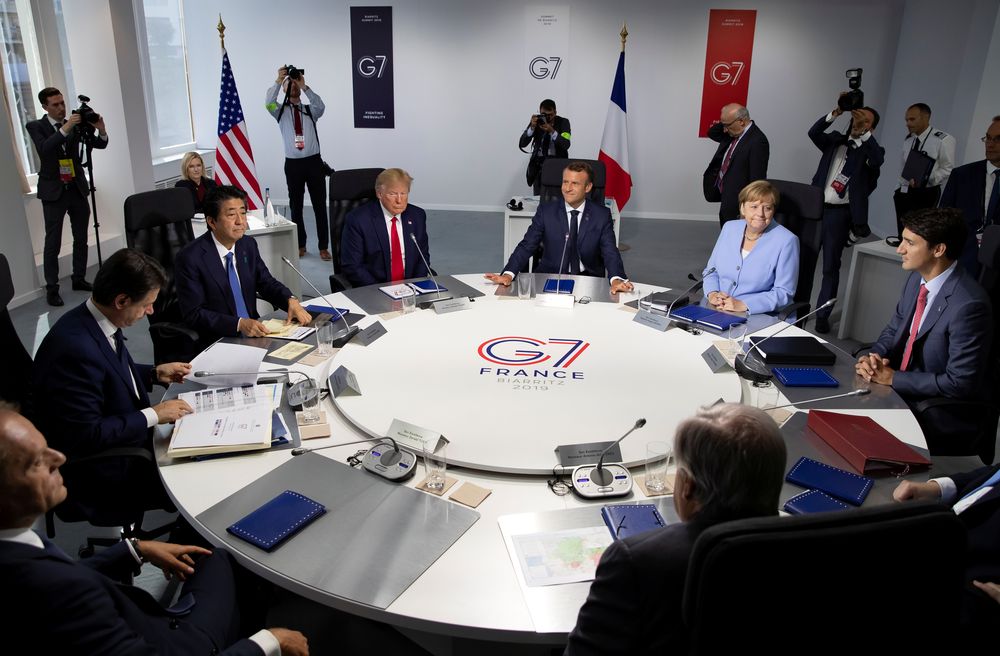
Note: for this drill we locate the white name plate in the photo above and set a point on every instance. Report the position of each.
(451, 305)
(654, 321)
(560, 301)
(414, 436)
(343, 382)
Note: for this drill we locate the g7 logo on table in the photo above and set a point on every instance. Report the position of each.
(525, 351)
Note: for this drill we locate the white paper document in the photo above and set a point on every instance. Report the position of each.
(568, 556)
(247, 425)
(232, 398)
(236, 364)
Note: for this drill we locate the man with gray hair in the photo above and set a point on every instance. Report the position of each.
(377, 243)
(730, 465)
(740, 159)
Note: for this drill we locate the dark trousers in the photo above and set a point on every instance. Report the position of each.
(302, 173)
(836, 230)
(75, 204)
(913, 199)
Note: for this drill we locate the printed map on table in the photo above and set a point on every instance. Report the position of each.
(559, 557)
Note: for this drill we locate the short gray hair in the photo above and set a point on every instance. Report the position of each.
(736, 456)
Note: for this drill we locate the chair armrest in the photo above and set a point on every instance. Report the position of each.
(173, 330)
(792, 308)
(864, 347)
(942, 401)
(339, 282)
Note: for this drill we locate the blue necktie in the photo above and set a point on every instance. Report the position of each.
(234, 285)
(991, 209)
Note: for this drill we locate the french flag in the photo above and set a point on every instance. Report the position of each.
(614, 143)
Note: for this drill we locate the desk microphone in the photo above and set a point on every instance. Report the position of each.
(343, 335)
(857, 392)
(395, 464)
(754, 370)
(600, 481)
(430, 274)
(562, 259)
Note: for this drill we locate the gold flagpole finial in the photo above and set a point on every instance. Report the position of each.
(222, 32)
(624, 35)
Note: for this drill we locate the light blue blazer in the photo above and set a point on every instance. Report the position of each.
(767, 278)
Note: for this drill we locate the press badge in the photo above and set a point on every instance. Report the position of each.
(66, 172)
(300, 141)
(839, 183)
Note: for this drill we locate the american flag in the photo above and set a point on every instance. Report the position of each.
(233, 157)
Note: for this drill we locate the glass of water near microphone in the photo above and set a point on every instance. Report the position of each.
(659, 458)
(324, 338)
(310, 401)
(435, 465)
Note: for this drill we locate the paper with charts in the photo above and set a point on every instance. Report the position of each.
(559, 557)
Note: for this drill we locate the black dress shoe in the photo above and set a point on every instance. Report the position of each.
(82, 286)
(53, 298)
(822, 325)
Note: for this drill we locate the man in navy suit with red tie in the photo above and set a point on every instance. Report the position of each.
(938, 341)
(575, 233)
(220, 274)
(377, 243)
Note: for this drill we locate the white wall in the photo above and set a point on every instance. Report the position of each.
(458, 66)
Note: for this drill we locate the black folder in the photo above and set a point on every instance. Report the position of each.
(794, 350)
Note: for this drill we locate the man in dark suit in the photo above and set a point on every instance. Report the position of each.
(975, 189)
(377, 243)
(730, 465)
(54, 605)
(549, 136)
(590, 249)
(89, 395)
(62, 186)
(740, 159)
(938, 341)
(975, 496)
(848, 173)
(220, 274)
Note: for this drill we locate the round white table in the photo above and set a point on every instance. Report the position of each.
(460, 374)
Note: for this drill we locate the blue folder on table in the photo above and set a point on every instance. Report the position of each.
(627, 520)
(706, 317)
(804, 377)
(427, 287)
(322, 309)
(813, 501)
(844, 485)
(277, 520)
(565, 286)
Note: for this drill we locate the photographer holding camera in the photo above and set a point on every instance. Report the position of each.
(848, 173)
(62, 186)
(549, 136)
(304, 166)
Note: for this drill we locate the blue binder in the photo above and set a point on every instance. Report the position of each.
(844, 485)
(813, 501)
(277, 520)
(804, 377)
(565, 286)
(626, 520)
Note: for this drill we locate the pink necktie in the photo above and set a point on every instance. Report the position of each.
(725, 163)
(914, 327)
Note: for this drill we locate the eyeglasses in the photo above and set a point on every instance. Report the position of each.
(993, 140)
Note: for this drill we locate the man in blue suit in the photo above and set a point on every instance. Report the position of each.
(220, 274)
(975, 189)
(377, 245)
(89, 395)
(938, 341)
(582, 226)
(847, 173)
(66, 607)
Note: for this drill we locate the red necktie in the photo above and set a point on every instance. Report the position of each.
(725, 162)
(914, 327)
(396, 257)
(297, 124)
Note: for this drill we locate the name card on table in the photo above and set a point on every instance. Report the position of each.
(654, 321)
(370, 334)
(714, 359)
(451, 305)
(343, 382)
(415, 437)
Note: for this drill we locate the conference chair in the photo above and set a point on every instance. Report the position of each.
(17, 361)
(979, 418)
(855, 581)
(349, 188)
(158, 223)
(800, 210)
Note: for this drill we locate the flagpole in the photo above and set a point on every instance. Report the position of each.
(622, 246)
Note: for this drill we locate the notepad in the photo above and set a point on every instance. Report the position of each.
(565, 286)
(804, 377)
(706, 317)
(277, 520)
(813, 501)
(427, 287)
(842, 484)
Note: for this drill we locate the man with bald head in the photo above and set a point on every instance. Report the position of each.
(68, 607)
(740, 159)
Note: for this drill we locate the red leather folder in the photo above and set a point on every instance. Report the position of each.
(864, 444)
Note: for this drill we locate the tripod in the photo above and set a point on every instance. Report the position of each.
(87, 136)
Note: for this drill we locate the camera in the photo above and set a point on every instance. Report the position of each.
(86, 112)
(295, 73)
(855, 98)
(542, 119)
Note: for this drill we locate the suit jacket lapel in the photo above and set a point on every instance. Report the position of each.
(378, 227)
(940, 303)
(217, 271)
(102, 343)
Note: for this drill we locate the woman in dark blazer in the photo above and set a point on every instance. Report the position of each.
(193, 179)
